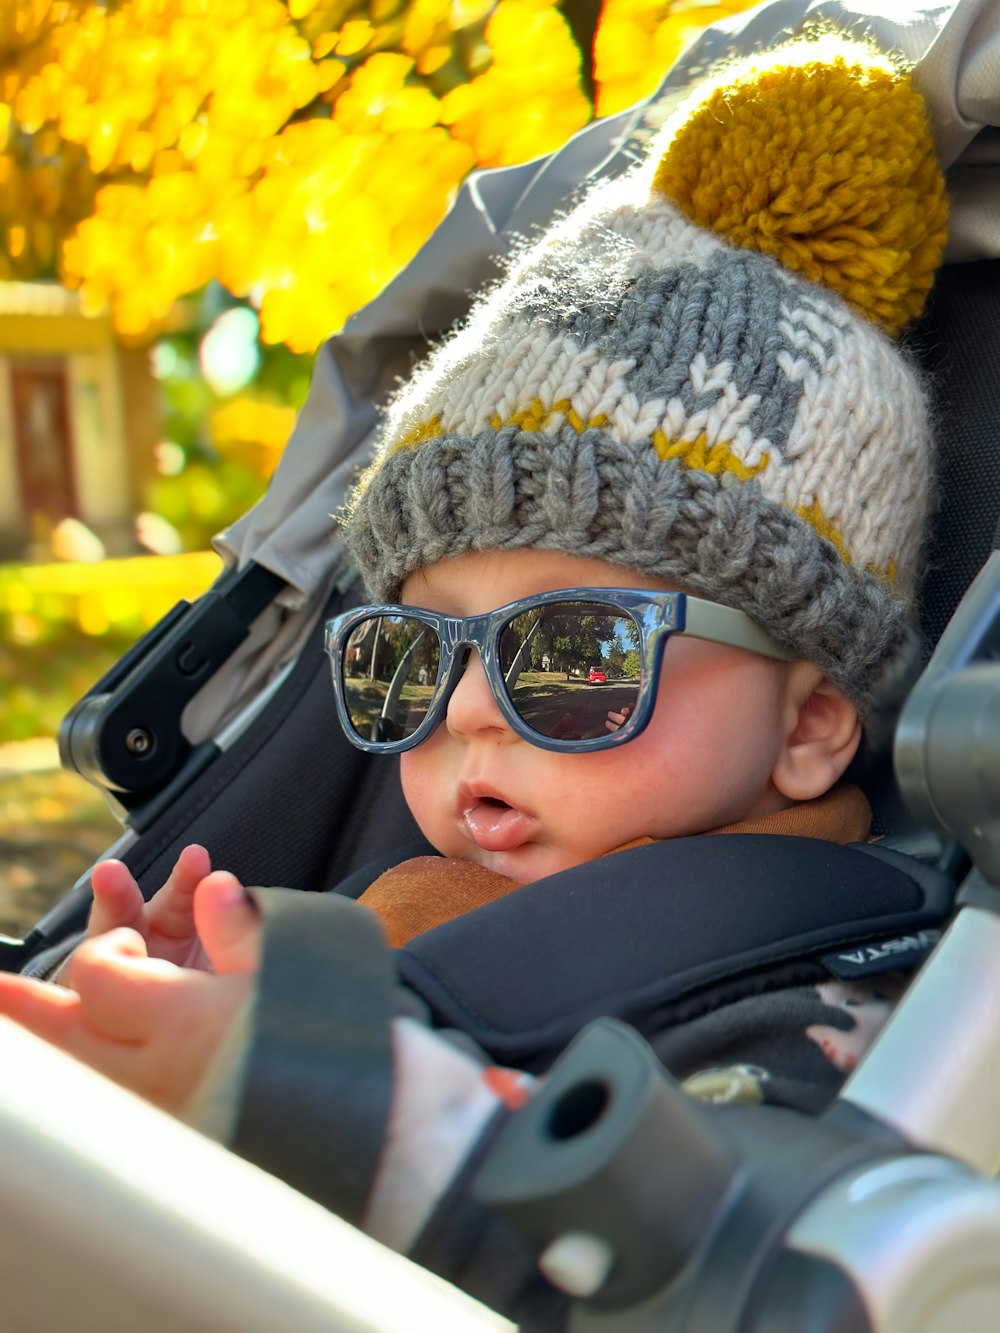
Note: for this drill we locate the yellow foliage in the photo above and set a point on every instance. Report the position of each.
(142, 248)
(639, 40)
(297, 151)
(529, 101)
(131, 594)
(333, 218)
(252, 431)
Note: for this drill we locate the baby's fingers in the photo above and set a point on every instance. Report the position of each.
(228, 924)
(124, 994)
(57, 1016)
(117, 899)
(170, 911)
(615, 721)
(46, 1010)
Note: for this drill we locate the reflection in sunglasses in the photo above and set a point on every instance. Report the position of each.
(570, 670)
(572, 709)
(390, 669)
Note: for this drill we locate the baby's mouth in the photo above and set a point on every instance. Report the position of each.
(493, 824)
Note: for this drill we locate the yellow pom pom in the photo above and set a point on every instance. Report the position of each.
(824, 161)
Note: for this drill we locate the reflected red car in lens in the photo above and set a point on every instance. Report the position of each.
(596, 676)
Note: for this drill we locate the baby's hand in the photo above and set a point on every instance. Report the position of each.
(563, 729)
(617, 720)
(147, 1023)
(166, 922)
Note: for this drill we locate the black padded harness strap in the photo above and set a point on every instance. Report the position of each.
(322, 1045)
(643, 928)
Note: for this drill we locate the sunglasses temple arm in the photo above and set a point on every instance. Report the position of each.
(723, 624)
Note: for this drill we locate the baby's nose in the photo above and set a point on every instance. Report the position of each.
(472, 708)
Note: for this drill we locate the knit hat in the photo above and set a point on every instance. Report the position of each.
(692, 374)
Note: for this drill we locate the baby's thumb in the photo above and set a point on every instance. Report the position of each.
(227, 923)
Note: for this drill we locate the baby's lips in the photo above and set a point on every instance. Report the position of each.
(494, 827)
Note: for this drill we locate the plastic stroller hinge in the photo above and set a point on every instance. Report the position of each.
(125, 734)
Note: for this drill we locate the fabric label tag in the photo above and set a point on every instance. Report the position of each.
(900, 952)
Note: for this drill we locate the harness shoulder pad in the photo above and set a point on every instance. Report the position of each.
(644, 928)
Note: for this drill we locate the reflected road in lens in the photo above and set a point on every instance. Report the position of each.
(390, 669)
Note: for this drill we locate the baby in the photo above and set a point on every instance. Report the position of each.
(529, 777)
(483, 790)
(676, 441)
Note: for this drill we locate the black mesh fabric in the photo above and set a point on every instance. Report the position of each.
(959, 347)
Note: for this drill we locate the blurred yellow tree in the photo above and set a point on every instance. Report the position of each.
(296, 151)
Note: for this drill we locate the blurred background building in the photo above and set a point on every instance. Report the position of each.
(80, 418)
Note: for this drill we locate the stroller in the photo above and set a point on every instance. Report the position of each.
(193, 730)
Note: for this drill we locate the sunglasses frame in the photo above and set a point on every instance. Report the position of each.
(659, 615)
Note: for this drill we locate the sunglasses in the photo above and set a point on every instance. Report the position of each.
(571, 671)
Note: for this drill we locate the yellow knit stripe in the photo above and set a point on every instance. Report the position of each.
(814, 516)
(704, 457)
(537, 417)
(696, 454)
(716, 458)
(578, 425)
(825, 527)
(424, 430)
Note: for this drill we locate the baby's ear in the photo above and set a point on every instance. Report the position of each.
(823, 732)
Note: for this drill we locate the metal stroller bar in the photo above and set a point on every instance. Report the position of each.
(125, 735)
(948, 765)
(181, 1236)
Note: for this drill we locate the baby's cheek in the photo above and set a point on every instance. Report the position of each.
(601, 805)
(426, 791)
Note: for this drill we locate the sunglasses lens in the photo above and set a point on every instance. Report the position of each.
(390, 667)
(572, 669)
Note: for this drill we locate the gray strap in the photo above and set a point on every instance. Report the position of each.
(319, 1075)
(46, 964)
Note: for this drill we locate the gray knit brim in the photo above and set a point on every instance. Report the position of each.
(710, 534)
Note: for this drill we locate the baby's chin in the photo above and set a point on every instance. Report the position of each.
(527, 863)
(530, 860)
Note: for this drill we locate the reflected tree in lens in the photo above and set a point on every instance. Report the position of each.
(390, 669)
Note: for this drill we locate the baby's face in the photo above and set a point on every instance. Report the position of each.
(480, 792)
